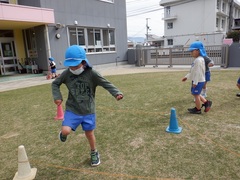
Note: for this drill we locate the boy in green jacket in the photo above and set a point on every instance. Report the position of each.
(81, 81)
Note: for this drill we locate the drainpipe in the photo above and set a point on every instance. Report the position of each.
(46, 36)
(48, 50)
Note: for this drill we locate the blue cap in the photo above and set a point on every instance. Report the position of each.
(198, 45)
(51, 59)
(75, 55)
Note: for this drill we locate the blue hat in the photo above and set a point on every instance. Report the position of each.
(198, 45)
(51, 59)
(75, 55)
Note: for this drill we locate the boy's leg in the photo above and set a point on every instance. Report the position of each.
(70, 123)
(206, 103)
(198, 98)
(66, 130)
(197, 108)
(196, 90)
(197, 101)
(95, 157)
(88, 125)
(91, 139)
(204, 90)
(207, 78)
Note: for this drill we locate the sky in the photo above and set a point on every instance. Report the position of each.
(140, 10)
(143, 12)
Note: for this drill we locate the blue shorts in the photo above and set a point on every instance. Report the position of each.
(53, 70)
(208, 76)
(197, 90)
(73, 120)
(238, 80)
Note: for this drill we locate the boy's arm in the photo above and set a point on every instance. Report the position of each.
(101, 81)
(56, 93)
(209, 61)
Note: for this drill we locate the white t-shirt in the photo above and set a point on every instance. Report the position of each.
(197, 71)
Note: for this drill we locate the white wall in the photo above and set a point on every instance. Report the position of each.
(195, 19)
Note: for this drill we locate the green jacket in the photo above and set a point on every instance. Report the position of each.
(81, 90)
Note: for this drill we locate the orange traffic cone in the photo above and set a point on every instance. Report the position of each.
(60, 114)
(25, 172)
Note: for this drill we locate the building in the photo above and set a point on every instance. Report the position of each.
(206, 20)
(32, 31)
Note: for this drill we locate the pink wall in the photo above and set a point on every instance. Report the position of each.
(12, 12)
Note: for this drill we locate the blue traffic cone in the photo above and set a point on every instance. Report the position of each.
(173, 125)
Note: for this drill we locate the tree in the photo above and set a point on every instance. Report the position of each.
(235, 35)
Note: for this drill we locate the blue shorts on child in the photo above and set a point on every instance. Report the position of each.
(208, 76)
(73, 120)
(53, 70)
(197, 90)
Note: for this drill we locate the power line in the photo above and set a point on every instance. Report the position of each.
(146, 10)
(140, 12)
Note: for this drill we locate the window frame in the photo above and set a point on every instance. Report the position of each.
(170, 42)
(96, 39)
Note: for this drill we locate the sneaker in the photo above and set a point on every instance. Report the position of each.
(207, 105)
(95, 158)
(194, 111)
(62, 137)
(238, 94)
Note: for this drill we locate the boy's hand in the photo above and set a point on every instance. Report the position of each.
(58, 102)
(184, 79)
(210, 65)
(119, 97)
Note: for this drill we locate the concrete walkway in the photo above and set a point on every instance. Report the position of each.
(104, 70)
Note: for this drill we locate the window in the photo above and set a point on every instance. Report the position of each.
(170, 42)
(223, 7)
(218, 4)
(236, 13)
(73, 36)
(223, 24)
(90, 37)
(111, 37)
(31, 43)
(93, 39)
(170, 25)
(237, 22)
(81, 38)
(217, 22)
(168, 10)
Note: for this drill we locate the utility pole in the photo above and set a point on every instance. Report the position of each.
(147, 28)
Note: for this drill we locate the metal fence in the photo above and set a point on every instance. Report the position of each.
(156, 56)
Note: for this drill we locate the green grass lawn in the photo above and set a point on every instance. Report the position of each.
(131, 136)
